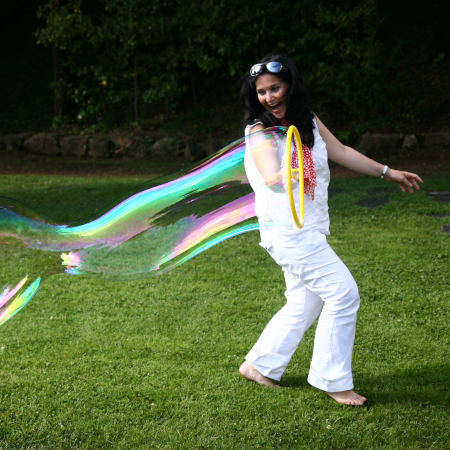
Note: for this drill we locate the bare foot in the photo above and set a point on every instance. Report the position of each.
(347, 397)
(249, 372)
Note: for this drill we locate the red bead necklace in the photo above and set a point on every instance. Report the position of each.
(308, 164)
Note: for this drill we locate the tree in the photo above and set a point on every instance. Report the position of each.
(127, 56)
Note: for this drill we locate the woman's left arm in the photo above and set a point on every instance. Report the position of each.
(350, 158)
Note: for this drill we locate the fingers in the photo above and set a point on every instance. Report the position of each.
(418, 178)
(406, 185)
(411, 179)
(414, 183)
(407, 181)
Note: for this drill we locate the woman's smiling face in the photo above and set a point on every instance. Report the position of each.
(271, 92)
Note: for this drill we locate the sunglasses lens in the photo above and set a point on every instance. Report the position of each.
(274, 67)
(256, 69)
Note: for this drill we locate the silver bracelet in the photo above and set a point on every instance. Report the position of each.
(385, 169)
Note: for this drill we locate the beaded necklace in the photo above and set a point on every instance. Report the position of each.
(308, 165)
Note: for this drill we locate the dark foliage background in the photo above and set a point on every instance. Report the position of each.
(372, 65)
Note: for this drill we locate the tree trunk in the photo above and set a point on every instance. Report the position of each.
(60, 95)
(62, 104)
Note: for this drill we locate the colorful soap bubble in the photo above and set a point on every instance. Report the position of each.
(168, 221)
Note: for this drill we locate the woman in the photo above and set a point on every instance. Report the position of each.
(317, 281)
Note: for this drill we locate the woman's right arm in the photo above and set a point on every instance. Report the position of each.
(265, 156)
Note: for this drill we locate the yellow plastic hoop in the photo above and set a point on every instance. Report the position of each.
(298, 221)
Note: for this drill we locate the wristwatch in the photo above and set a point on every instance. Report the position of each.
(385, 169)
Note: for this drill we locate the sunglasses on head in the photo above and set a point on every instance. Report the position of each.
(272, 67)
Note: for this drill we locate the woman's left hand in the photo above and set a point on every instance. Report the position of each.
(405, 180)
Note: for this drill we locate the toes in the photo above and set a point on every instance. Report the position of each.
(350, 398)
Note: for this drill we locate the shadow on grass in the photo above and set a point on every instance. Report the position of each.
(427, 386)
(295, 381)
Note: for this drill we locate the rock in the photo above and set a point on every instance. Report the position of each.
(165, 146)
(440, 196)
(194, 151)
(436, 138)
(124, 145)
(409, 141)
(98, 147)
(73, 145)
(143, 150)
(376, 142)
(13, 142)
(43, 144)
(373, 202)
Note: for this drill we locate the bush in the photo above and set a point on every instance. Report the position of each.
(128, 60)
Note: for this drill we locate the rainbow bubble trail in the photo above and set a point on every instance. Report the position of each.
(169, 221)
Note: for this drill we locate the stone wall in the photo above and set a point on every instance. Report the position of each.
(392, 143)
(116, 146)
(139, 147)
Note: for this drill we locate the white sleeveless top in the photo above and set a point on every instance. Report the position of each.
(273, 206)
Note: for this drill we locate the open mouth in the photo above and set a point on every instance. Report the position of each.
(276, 107)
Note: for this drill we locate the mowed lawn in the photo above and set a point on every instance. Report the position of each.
(153, 364)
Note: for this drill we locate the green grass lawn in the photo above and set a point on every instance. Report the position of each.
(153, 364)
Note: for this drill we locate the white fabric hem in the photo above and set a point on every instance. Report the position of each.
(340, 384)
(265, 364)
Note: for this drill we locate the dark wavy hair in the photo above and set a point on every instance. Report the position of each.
(299, 110)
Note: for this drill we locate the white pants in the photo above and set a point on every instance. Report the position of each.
(316, 279)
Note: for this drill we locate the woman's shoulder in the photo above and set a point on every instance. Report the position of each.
(257, 125)
(316, 126)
